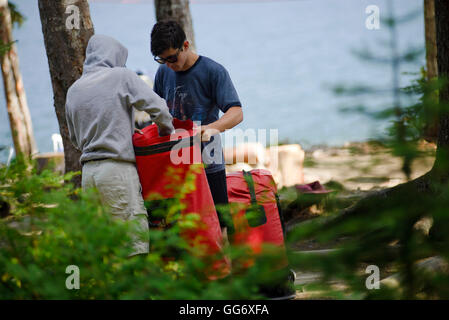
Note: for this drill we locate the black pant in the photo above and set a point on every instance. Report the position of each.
(219, 190)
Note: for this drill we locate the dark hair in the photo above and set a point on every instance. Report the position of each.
(165, 35)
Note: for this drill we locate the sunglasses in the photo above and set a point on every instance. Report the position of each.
(171, 59)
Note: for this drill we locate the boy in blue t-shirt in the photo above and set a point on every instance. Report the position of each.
(197, 88)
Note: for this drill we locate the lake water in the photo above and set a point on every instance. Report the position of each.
(283, 56)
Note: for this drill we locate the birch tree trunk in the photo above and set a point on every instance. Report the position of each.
(179, 11)
(16, 102)
(67, 28)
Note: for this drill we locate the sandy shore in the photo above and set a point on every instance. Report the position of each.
(357, 168)
(362, 166)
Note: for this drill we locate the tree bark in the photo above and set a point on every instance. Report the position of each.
(66, 49)
(431, 127)
(442, 36)
(179, 11)
(16, 102)
(431, 41)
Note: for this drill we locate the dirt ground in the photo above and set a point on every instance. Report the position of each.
(353, 170)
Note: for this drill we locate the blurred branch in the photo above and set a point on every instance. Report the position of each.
(16, 17)
(5, 47)
(411, 55)
(391, 21)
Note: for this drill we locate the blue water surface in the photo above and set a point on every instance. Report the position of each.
(283, 56)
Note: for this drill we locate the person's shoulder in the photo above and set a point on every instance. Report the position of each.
(75, 87)
(163, 69)
(212, 64)
(214, 69)
(123, 73)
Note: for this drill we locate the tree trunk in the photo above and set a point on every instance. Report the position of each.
(179, 11)
(442, 36)
(65, 43)
(16, 102)
(431, 41)
(431, 127)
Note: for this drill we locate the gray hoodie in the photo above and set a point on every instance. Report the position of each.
(99, 105)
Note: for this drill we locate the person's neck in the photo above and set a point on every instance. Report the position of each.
(191, 59)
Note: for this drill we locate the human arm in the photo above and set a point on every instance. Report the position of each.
(143, 98)
(232, 117)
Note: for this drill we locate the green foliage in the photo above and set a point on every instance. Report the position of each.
(16, 17)
(5, 47)
(52, 225)
(386, 235)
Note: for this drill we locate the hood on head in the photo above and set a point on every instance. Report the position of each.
(104, 51)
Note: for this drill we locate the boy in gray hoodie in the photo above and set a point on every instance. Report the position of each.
(99, 114)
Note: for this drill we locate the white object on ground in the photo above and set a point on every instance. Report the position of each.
(57, 142)
(286, 163)
(11, 152)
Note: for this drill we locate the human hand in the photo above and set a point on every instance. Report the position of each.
(138, 131)
(207, 132)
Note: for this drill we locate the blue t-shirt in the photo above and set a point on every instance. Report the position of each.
(198, 94)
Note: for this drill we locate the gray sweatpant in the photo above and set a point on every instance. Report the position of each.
(120, 190)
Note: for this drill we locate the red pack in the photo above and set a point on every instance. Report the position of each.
(257, 220)
(165, 166)
(262, 224)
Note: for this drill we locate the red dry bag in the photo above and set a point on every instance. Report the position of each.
(257, 221)
(255, 189)
(166, 165)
